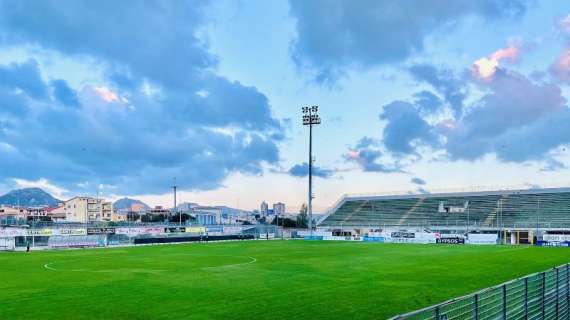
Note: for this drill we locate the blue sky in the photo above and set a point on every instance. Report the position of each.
(415, 96)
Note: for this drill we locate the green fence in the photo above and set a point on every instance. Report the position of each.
(543, 295)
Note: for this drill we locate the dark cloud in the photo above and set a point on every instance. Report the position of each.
(302, 170)
(63, 93)
(445, 82)
(516, 119)
(368, 156)
(418, 181)
(197, 126)
(333, 36)
(25, 77)
(405, 129)
(427, 102)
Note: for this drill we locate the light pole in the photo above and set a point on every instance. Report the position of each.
(176, 209)
(310, 118)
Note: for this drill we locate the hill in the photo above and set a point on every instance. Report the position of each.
(28, 197)
(127, 203)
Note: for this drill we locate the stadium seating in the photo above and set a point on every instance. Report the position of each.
(549, 208)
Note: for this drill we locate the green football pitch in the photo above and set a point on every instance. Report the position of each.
(255, 279)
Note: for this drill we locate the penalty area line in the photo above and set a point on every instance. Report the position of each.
(253, 260)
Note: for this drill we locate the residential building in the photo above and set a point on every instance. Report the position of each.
(279, 208)
(15, 212)
(264, 209)
(57, 214)
(37, 213)
(160, 210)
(119, 216)
(87, 209)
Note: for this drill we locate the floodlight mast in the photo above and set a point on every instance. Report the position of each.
(310, 118)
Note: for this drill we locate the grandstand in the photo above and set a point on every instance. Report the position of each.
(515, 209)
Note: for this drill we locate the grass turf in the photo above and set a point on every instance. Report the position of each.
(256, 279)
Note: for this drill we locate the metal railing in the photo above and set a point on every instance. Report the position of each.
(543, 295)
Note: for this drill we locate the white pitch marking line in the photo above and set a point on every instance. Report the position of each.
(48, 267)
(253, 260)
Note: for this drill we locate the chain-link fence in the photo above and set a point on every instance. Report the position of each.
(542, 295)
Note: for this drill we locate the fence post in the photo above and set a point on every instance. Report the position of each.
(476, 307)
(504, 302)
(567, 292)
(543, 293)
(437, 316)
(526, 298)
(557, 292)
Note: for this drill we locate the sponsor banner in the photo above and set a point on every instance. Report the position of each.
(232, 230)
(399, 234)
(482, 238)
(153, 230)
(70, 232)
(313, 238)
(410, 240)
(39, 232)
(100, 230)
(552, 244)
(556, 237)
(315, 233)
(195, 230)
(12, 232)
(174, 229)
(215, 229)
(131, 231)
(341, 238)
(373, 239)
(451, 240)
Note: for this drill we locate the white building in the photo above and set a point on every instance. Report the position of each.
(207, 215)
(86, 209)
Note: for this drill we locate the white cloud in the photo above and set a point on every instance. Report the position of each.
(485, 67)
(43, 184)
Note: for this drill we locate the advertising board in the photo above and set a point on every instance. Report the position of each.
(100, 230)
(12, 232)
(174, 229)
(400, 234)
(195, 230)
(482, 238)
(39, 232)
(450, 240)
(70, 232)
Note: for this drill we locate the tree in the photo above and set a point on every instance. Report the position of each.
(302, 220)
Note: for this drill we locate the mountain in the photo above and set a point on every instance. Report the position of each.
(29, 197)
(127, 203)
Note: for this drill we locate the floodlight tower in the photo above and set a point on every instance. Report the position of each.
(310, 118)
